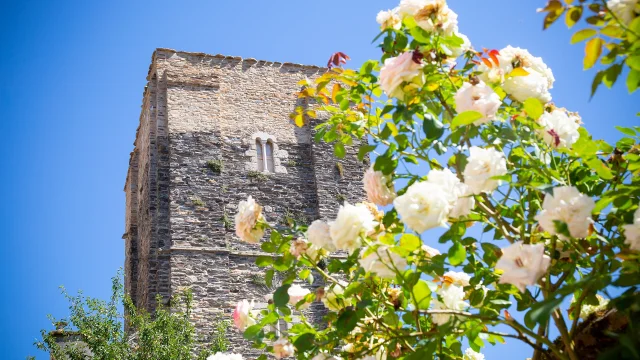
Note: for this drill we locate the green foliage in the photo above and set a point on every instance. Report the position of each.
(606, 32)
(98, 325)
(215, 166)
(258, 176)
(196, 201)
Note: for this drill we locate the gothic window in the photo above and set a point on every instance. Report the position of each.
(261, 159)
(269, 156)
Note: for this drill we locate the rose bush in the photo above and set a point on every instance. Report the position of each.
(532, 211)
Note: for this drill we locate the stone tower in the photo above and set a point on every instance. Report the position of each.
(213, 130)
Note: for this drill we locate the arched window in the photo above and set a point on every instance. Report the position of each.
(261, 159)
(269, 157)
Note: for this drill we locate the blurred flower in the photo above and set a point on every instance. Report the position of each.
(566, 205)
(522, 264)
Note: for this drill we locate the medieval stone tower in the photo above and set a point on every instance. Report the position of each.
(213, 130)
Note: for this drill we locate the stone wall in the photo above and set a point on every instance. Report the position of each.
(197, 109)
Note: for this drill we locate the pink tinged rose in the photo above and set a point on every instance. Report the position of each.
(242, 315)
(296, 294)
(318, 234)
(566, 205)
(379, 188)
(282, 348)
(522, 264)
(559, 128)
(246, 220)
(397, 70)
(480, 98)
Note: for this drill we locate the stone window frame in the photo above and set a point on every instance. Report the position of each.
(279, 156)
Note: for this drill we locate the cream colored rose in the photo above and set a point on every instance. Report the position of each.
(389, 19)
(352, 222)
(247, 218)
(480, 98)
(318, 234)
(482, 166)
(282, 348)
(296, 294)
(632, 232)
(397, 70)
(423, 206)
(431, 15)
(456, 278)
(458, 194)
(383, 262)
(379, 188)
(624, 10)
(569, 206)
(522, 264)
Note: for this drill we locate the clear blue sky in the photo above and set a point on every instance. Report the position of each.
(73, 73)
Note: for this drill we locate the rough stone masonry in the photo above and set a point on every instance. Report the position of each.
(197, 153)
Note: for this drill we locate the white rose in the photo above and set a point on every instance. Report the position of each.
(624, 10)
(456, 278)
(282, 348)
(429, 251)
(457, 192)
(396, 70)
(423, 206)
(452, 299)
(466, 46)
(480, 98)
(632, 232)
(378, 187)
(331, 298)
(318, 235)
(224, 356)
(352, 222)
(389, 20)
(482, 165)
(383, 262)
(559, 129)
(296, 294)
(536, 84)
(567, 205)
(242, 315)
(469, 354)
(522, 264)
(247, 227)
(431, 15)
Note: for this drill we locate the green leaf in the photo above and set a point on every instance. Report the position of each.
(422, 294)
(633, 80)
(634, 62)
(597, 80)
(263, 261)
(465, 118)
(281, 296)
(268, 277)
(592, 51)
(304, 274)
(457, 254)
(344, 104)
(534, 108)
(338, 150)
(304, 342)
(573, 16)
(602, 203)
(600, 168)
(582, 35)
(611, 75)
(365, 150)
(432, 127)
(252, 332)
(613, 31)
(541, 311)
(348, 320)
(410, 242)
(626, 130)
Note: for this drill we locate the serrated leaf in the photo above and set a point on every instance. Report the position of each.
(465, 118)
(592, 51)
(534, 108)
(582, 35)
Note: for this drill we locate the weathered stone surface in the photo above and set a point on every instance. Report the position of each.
(179, 212)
